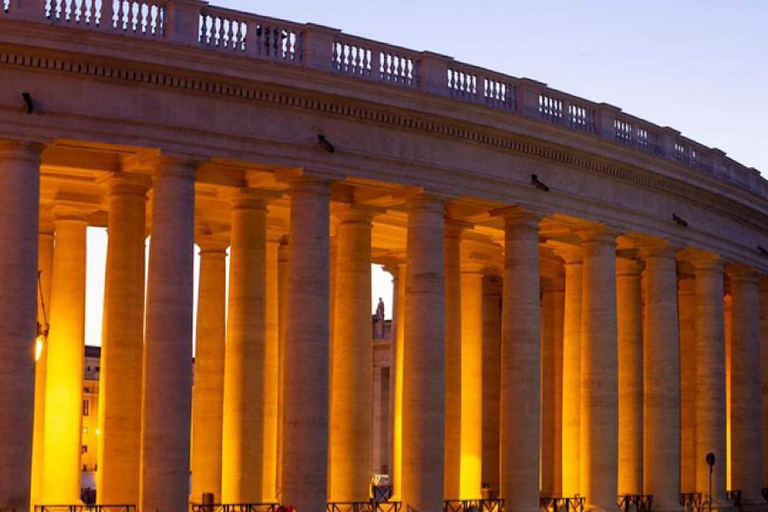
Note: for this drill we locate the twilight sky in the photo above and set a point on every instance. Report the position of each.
(700, 66)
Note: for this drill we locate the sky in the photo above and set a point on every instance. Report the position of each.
(699, 66)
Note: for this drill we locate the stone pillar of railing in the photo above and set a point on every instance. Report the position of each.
(605, 120)
(432, 73)
(527, 94)
(182, 20)
(667, 142)
(33, 10)
(317, 47)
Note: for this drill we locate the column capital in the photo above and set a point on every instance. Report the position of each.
(520, 216)
(598, 234)
(72, 211)
(763, 284)
(21, 150)
(423, 200)
(124, 183)
(657, 248)
(303, 179)
(571, 254)
(702, 260)
(168, 165)
(212, 244)
(244, 198)
(350, 213)
(742, 273)
(454, 228)
(629, 267)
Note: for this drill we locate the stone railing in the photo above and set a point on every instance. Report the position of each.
(195, 23)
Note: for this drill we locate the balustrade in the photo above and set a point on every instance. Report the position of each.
(692, 501)
(137, 17)
(363, 506)
(635, 502)
(373, 61)
(230, 507)
(220, 30)
(562, 503)
(481, 505)
(85, 508)
(734, 497)
(75, 12)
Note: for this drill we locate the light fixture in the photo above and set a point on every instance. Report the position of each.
(325, 144)
(762, 250)
(679, 220)
(42, 329)
(538, 184)
(29, 105)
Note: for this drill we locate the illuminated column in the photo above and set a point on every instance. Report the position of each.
(746, 424)
(271, 371)
(686, 308)
(453, 359)
(243, 434)
(208, 391)
(20, 183)
(491, 379)
(397, 377)
(599, 370)
(763, 290)
(45, 268)
(393, 269)
(551, 384)
(305, 390)
(571, 484)
(64, 380)
(351, 373)
(424, 358)
(471, 381)
(167, 400)
(282, 301)
(710, 377)
(661, 395)
(630, 360)
(122, 346)
(520, 362)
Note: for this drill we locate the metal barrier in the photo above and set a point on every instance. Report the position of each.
(481, 505)
(562, 503)
(734, 496)
(363, 506)
(635, 502)
(85, 508)
(234, 507)
(692, 501)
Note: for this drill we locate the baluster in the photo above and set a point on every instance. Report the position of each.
(231, 34)
(337, 55)
(400, 69)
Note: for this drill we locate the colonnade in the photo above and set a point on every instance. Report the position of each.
(608, 379)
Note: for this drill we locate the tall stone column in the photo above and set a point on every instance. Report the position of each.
(599, 370)
(122, 347)
(351, 373)
(394, 327)
(453, 359)
(552, 297)
(571, 484)
(520, 362)
(305, 391)
(661, 395)
(282, 303)
(763, 291)
(491, 379)
(397, 378)
(19, 210)
(208, 391)
(64, 380)
(243, 434)
(746, 418)
(167, 400)
(45, 269)
(424, 357)
(630, 361)
(686, 307)
(710, 377)
(471, 381)
(271, 370)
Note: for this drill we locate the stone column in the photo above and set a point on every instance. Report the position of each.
(305, 391)
(64, 380)
(398, 377)
(243, 434)
(45, 269)
(520, 362)
(746, 420)
(710, 377)
(763, 291)
(491, 379)
(661, 375)
(471, 381)
(424, 358)
(351, 373)
(453, 359)
(686, 306)
(571, 479)
(19, 210)
(122, 347)
(167, 401)
(599, 370)
(282, 302)
(208, 391)
(271, 371)
(394, 327)
(551, 384)
(630, 360)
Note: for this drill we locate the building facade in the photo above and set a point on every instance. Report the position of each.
(561, 268)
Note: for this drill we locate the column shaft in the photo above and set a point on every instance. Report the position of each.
(241, 472)
(551, 385)
(491, 379)
(763, 291)
(122, 346)
(599, 370)
(572, 376)
(282, 299)
(424, 358)
(167, 400)
(630, 360)
(271, 365)
(19, 210)
(351, 373)
(661, 375)
(521, 364)
(471, 383)
(687, 331)
(305, 391)
(64, 380)
(208, 391)
(746, 420)
(397, 377)
(453, 360)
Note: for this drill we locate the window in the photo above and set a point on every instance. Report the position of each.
(86, 407)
